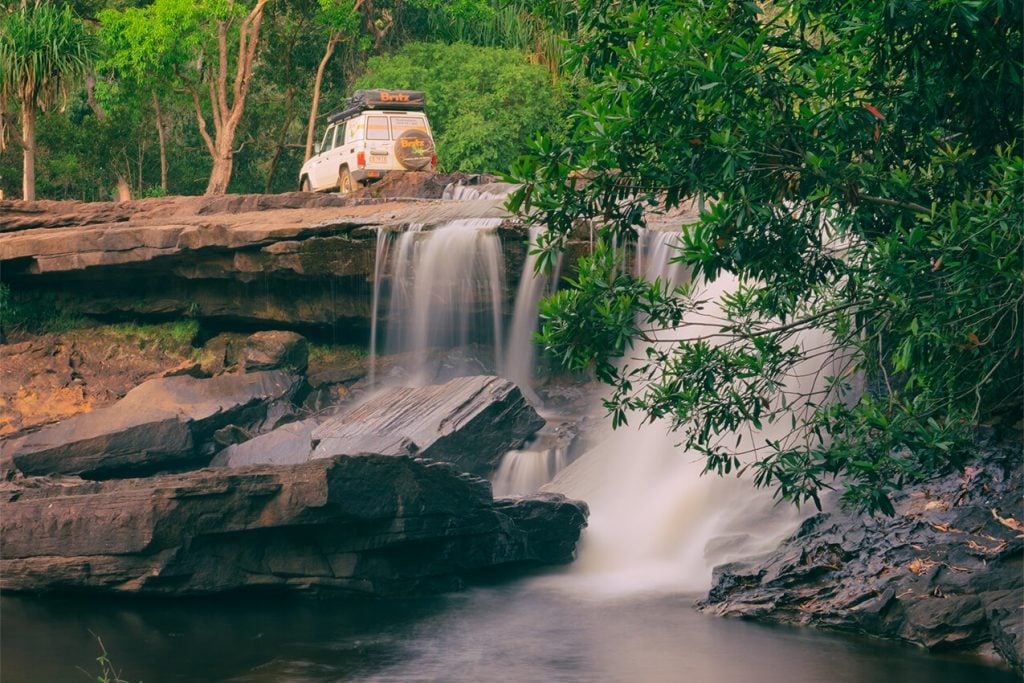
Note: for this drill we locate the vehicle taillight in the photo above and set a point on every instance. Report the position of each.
(361, 159)
(433, 161)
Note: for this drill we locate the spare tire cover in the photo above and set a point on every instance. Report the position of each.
(414, 149)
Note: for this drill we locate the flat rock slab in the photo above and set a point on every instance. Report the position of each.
(160, 424)
(469, 421)
(381, 525)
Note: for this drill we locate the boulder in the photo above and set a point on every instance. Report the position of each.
(165, 423)
(378, 525)
(946, 572)
(468, 421)
(276, 349)
(544, 517)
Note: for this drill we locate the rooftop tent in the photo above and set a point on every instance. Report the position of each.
(361, 100)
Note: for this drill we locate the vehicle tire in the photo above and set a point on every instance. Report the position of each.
(345, 184)
(305, 185)
(414, 150)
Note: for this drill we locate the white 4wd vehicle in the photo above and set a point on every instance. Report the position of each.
(377, 133)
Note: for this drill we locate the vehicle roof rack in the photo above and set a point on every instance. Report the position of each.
(362, 100)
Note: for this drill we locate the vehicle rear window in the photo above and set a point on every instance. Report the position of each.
(377, 128)
(400, 124)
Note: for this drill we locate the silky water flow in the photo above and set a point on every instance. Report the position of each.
(656, 523)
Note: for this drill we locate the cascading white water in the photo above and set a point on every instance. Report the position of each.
(523, 472)
(521, 351)
(460, 192)
(656, 523)
(447, 289)
(655, 250)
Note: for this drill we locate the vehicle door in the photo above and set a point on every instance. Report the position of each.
(318, 169)
(334, 157)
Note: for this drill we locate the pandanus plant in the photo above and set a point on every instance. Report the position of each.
(43, 51)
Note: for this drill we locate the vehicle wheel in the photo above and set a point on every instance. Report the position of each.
(305, 186)
(345, 184)
(414, 150)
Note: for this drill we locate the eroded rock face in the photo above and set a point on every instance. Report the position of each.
(381, 525)
(300, 260)
(159, 425)
(469, 421)
(946, 572)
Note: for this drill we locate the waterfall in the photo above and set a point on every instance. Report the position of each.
(654, 252)
(446, 290)
(656, 523)
(461, 192)
(524, 471)
(521, 351)
(380, 260)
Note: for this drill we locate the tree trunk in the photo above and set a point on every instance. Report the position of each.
(316, 94)
(220, 174)
(163, 142)
(28, 135)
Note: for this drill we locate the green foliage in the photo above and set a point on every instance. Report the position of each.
(505, 24)
(175, 336)
(43, 48)
(20, 313)
(484, 103)
(863, 177)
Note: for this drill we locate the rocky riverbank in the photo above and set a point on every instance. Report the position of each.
(370, 499)
(946, 572)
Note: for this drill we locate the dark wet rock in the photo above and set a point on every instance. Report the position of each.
(165, 423)
(544, 517)
(468, 421)
(380, 525)
(276, 350)
(946, 572)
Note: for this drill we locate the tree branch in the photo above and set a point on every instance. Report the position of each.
(202, 121)
(218, 121)
(222, 65)
(90, 98)
(911, 206)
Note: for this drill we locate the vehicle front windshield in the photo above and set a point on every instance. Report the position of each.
(325, 144)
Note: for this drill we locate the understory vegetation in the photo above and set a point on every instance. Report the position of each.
(859, 169)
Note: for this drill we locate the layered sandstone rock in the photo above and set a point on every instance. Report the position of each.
(381, 525)
(162, 424)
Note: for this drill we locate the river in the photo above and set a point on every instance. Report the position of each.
(541, 628)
